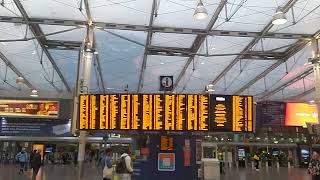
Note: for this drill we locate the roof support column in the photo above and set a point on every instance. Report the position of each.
(315, 60)
(82, 87)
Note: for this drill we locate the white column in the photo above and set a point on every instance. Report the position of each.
(316, 68)
(82, 87)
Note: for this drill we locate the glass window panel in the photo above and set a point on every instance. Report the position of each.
(274, 45)
(74, 35)
(122, 11)
(173, 40)
(9, 9)
(55, 9)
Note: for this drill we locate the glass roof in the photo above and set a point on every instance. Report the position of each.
(231, 51)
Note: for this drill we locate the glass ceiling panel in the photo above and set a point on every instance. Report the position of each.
(161, 66)
(26, 56)
(306, 18)
(74, 35)
(225, 44)
(294, 89)
(273, 45)
(250, 15)
(67, 62)
(179, 13)
(7, 78)
(241, 74)
(282, 74)
(173, 40)
(202, 72)
(121, 11)
(55, 9)
(120, 59)
(9, 9)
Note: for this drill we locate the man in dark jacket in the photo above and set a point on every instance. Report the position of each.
(36, 164)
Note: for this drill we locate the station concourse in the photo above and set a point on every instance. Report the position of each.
(159, 90)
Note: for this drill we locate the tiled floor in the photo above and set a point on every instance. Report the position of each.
(69, 173)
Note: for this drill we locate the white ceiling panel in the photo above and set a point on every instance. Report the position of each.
(173, 40)
(121, 11)
(55, 9)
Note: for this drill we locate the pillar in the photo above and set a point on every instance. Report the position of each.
(82, 87)
(315, 60)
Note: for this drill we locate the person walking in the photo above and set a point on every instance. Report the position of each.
(22, 157)
(107, 169)
(124, 168)
(314, 166)
(36, 164)
(256, 160)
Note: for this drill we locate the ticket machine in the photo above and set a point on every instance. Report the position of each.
(210, 164)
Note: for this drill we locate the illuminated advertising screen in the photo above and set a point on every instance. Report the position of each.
(29, 108)
(299, 114)
(170, 112)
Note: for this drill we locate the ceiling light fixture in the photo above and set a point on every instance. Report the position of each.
(20, 80)
(210, 88)
(34, 93)
(34, 52)
(279, 17)
(200, 11)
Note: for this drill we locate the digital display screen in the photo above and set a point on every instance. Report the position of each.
(231, 113)
(299, 114)
(159, 112)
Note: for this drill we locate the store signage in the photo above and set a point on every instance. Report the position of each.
(166, 143)
(159, 112)
(166, 162)
(29, 108)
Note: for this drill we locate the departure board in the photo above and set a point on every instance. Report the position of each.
(165, 112)
(231, 113)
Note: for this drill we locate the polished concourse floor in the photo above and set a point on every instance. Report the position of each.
(9, 172)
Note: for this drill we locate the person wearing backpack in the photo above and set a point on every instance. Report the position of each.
(22, 157)
(123, 166)
(107, 169)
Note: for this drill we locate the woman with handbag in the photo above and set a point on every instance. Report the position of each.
(314, 166)
(108, 169)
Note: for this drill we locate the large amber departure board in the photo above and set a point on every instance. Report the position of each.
(159, 112)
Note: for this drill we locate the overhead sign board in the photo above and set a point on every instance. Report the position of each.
(29, 108)
(169, 112)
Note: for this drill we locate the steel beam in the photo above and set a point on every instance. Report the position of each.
(299, 96)
(148, 43)
(37, 32)
(289, 53)
(295, 79)
(15, 70)
(199, 41)
(63, 45)
(265, 30)
(131, 27)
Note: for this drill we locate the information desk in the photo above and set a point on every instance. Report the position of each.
(169, 112)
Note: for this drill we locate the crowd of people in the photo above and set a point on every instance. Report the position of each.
(34, 161)
(111, 167)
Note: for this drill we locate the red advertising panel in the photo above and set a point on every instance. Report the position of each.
(29, 108)
(299, 114)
